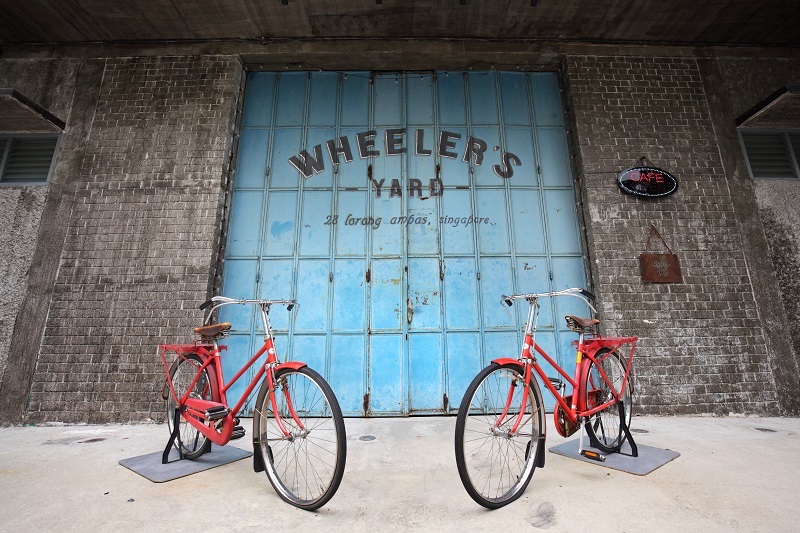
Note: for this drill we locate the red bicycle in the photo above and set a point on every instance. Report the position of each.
(298, 429)
(500, 429)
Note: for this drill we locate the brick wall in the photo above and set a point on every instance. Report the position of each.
(702, 349)
(146, 208)
(143, 239)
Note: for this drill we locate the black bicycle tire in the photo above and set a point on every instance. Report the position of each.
(532, 458)
(264, 450)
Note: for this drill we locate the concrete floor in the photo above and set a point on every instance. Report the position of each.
(734, 474)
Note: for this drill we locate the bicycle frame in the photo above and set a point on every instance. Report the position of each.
(195, 410)
(587, 349)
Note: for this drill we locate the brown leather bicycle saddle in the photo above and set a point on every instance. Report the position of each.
(212, 330)
(580, 324)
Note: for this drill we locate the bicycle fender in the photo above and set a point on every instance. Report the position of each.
(506, 361)
(294, 365)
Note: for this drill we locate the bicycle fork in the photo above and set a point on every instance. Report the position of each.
(527, 376)
(270, 365)
(301, 432)
(285, 433)
(519, 417)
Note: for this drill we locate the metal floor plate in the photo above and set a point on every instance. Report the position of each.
(150, 466)
(649, 458)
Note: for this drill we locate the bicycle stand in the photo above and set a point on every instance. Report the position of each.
(594, 444)
(626, 429)
(176, 435)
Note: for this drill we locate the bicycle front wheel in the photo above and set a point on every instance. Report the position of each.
(495, 462)
(604, 427)
(299, 430)
(192, 442)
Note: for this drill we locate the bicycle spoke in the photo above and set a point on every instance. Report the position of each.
(598, 428)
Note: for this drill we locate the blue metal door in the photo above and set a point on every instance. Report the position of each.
(397, 208)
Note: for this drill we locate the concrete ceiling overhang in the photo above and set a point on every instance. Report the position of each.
(21, 115)
(689, 22)
(780, 110)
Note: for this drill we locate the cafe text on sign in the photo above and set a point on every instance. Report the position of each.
(647, 181)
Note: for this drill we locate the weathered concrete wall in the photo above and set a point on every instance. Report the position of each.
(750, 80)
(778, 206)
(20, 213)
(747, 82)
(702, 345)
(141, 245)
(51, 84)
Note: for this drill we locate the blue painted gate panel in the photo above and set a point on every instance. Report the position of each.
(397, 208)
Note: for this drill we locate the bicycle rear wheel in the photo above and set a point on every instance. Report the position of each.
(496, 465)
(305, 467)
(604, 427)
(193, 444)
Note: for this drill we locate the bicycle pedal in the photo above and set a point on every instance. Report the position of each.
(593, 455)
(215, 413)
(557, 384)
(238, 433)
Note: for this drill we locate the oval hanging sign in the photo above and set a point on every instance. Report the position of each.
(647, 181)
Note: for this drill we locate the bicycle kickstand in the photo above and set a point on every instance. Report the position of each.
(626, 429)
(176, 434)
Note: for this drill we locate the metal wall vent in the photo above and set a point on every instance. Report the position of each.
(772, 154)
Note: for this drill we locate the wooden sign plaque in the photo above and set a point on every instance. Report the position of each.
(659, 268)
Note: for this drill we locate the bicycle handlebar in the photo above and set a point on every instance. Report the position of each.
(224, 300)
(218, 301)
(575, 291)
